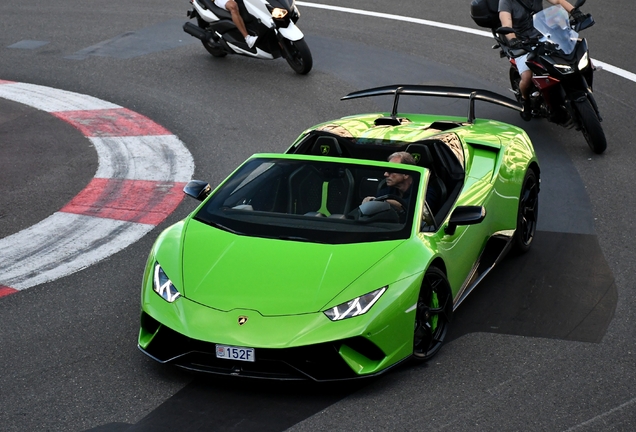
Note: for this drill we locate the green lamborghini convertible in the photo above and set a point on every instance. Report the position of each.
(312, 264)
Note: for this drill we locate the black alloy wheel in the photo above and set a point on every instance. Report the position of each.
(527, 214)
(432, 315)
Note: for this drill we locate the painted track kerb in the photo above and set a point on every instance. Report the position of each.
(142, 169)
(605, 66)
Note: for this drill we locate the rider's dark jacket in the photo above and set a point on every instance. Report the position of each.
(522, 11)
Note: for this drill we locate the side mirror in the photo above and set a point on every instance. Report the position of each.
(465, 215)
(197, 189)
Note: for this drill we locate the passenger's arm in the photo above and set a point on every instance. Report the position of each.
(566, 5)
(506, 21)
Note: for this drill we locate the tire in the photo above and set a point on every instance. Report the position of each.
(527, 214)
(215, 50)
(298, 56)
(515, 79)
(591, 126)
(432, 314)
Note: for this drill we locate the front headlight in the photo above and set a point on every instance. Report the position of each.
(564, 69)
(357, 306)
(585, 60)
(278, 13)
(162, 285)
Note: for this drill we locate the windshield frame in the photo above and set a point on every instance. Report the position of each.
(301, 227)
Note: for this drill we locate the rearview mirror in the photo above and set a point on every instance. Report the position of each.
(197, 189)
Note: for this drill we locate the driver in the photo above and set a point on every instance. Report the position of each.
(232, 7)
(396, 183)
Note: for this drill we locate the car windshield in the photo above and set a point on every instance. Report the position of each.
(312, 200)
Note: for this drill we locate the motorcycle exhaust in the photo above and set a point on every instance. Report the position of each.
(196, 31)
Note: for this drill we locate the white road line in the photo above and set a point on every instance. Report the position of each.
(43, 98)
(607, 67)
(602, 416)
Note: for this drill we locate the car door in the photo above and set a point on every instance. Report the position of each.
(461, 249)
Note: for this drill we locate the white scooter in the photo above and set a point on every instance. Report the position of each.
(273, 21)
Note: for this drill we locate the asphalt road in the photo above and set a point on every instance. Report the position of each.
(547, 343)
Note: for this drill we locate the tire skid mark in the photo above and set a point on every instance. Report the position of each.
(116, 122)
(74, 243)
(137, 201)
(142, 169)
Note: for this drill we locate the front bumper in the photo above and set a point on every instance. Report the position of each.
(321, 362)
(308, 346)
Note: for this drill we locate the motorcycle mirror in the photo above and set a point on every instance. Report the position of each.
(587, 23)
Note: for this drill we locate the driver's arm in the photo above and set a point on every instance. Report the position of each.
(394, 203)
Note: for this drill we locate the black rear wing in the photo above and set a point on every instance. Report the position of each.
(439, 91)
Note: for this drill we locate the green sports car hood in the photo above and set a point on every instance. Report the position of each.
(274, 277)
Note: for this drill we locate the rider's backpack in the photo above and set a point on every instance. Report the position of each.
(485, 13)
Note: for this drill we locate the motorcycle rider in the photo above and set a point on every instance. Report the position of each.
(518, 15)
(232, 7)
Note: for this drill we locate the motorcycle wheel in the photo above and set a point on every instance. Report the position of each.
(591, 126)
(299, 56)
(215, 50)
(515, 79)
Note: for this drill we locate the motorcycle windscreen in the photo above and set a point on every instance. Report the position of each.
(554, 25)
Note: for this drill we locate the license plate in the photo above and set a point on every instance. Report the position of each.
(235, 353)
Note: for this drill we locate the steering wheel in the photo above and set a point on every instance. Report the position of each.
(394, 198)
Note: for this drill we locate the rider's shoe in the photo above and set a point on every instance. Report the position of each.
(250, 40)
(526, 114)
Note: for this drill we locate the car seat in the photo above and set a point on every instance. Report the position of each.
(317, 190)
(326, 146)
(437, 191)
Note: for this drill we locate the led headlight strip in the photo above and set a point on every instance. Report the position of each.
(357, 306)
(163, 286)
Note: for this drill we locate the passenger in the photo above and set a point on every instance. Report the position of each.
(517, 14)
(232, 7)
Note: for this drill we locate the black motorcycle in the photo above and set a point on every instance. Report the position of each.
(562, 72)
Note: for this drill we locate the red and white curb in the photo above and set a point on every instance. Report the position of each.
(142, 171)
